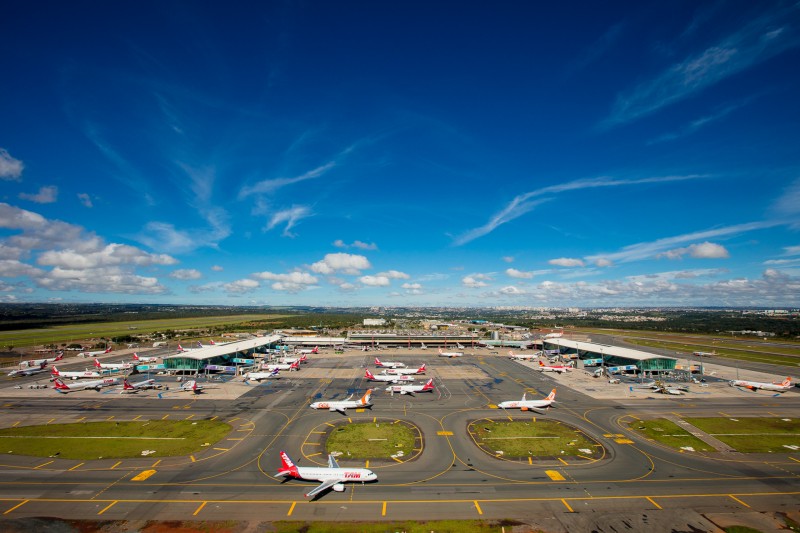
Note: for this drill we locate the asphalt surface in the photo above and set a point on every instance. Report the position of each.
(629, 478)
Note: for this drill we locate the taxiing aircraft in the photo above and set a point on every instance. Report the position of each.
(450, 354)
(389, 364)
(405, 371)
(386, 377)
(93, 354)
(411, 389)
(22, 372)
(56, 373)
(63, 388)
(140, 359)
(343, 405)
(258, 376)
(523, 356)
(333, 477)
(783, 386)
(113, 366)
(282, 366)
(554, 368)
(314, 350)
(530, 405)
(132, 388)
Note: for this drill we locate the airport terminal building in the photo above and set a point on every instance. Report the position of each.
(220, 355)
(626, 359)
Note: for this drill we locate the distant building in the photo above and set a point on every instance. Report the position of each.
(374, 321)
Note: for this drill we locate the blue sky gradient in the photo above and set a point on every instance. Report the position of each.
(410, 154)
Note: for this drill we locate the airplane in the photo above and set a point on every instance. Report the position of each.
(182, 349)
(191, 386)
(136, 387)
(314, 350)
(343, 405)
(281, 366)
(523, 356)
(212, 343)
(113, 366)
(38, 362)
(388, 364)
(258, 376)
(63, 388)
(386, 377)
(290, 360)
(554, 368)
(784, 386)
(411, 389)
(332, 477)
(56, 373)
(21, 372)
(675, 391)
(530, 405)
(450, 354)
(422, 346)
(93, 354)
(459, 346)
(554, 335)
(403, 371)
(139, 359)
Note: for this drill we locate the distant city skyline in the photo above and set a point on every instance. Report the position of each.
(638, 154)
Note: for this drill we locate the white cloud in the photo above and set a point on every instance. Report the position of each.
(342, 263)
(10, 168)
(411, 286)
(475, 281)
(514, 273)
(602, 262)
(270, 186)
(290, 216)
(705, 250)
(508, 259)
(241, 286)
(85, 199)
(217, 268)
(186, 274)
(788, 204)
(394, 274)
(46, 195)
(99, 280)
(566, 262)
(110, 255)
(339, 243)
(374, 281)
(292, 282)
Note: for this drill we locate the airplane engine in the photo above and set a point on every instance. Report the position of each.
(523, 408)
(339, 487)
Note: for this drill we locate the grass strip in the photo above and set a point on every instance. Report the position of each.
(669, 434)
(379, 440)
(530, 438)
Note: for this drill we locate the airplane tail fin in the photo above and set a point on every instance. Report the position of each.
(368, 374)
(126, 385)
(97, 363)
(421, 368)
(541, 364)
(428, 385)
(136, 356)
(304, 358)
(787, 382)
(212, 343)
(295, 365)
(180, 348)
(59, 385)
(552, 395)
(108, 350)
(55, 372)
(287, 466)
(315, 350)
(378, 362)
(365, 399)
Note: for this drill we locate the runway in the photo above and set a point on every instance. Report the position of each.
(448, 476)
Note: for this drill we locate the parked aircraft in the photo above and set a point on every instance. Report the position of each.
(282, 366)
(290, 360)
(411, 389)
(459, 346)
(21, 372)
(56, 373)
(192, 386)
(523, 356)
(389, 364)
(113, 366)
(386, 377)
(404, 371)
(554, 368)
(181, 349)
(343, 405)
(422, 346)
(554, 335)
(530, 405)
(139, 359)
(450, 354)
(258, 376)
(38, 362)
(783, 386)
(136, 387)
(333, 477)
(664, 389)
(63, 388)
(314, 350)
(93, 354)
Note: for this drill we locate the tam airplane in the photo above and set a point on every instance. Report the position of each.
(554, 368)
(113, 366)
(181, 349)
(132, 388)
(139, 359)
(783, 386)
(523, 356)
(282, 366)
(314, 350)
(333, 477)
(38, 362)
(56, 373)
(192, 386)
(389, 364)
(92, 354)
(554, 335)
(386, 377)
(530, 405)
(450, 354)
(404, 371)
(343, 405)
(411, 389)
(258, 376)
(290, 360)
(63, 388)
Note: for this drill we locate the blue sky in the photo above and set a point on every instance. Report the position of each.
(401, 154)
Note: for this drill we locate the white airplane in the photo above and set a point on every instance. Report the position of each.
(282, 366)
(38, 362)
(422, 346)
(56, 373)
(459, 346)
(523, 356)
(258, 376)
(405, 371)
(389, 364)
(332, 477)
(113, 366)
(63, 388)
(181, 349)
(450, 354)
(314, 350)
(129, 388)
(675, 391)
(554, 335)
(386, 377)
(411, 389)
(783, 386)
(21, 372)
(530, 405)
(554, 368)
(290, 360)
(93, 354)
(140, 359)
(192, 386)
(343, 405)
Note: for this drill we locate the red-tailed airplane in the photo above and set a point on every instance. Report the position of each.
(192, 386)
(523, 356)
(63, 388)
(554, 368)
(282, 366)
(389, 364)
(38, 362)
(56, 373)
(411, 389)
(784, 386)
(404, 371)
(132, 388)
(450, 354)
(290, 360)
(308, 352)
(139, 359)
(92, 354)
(386, 377)
(343, 405)
(532, 405)
(332, 477)
(113, 366)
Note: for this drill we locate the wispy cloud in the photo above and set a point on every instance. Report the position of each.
(270, 186)
(697, 124)
(10, 168)
(339, 243)
(759, 40)
(46, 195)
(85, 199)
(524, 203)
(290, 216)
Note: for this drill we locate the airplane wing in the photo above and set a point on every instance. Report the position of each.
(332, 462)
(342, 410)
(325, 485)
(409, 392)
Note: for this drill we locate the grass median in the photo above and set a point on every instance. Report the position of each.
(540, 438)
(112, 440)
(753, 434)
(374, 440)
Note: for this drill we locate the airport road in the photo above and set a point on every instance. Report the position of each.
(449, 476)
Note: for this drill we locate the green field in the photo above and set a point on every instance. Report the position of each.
(670, 434)
(540, 438)
(378, 440)
(753, 435)
(112, 440)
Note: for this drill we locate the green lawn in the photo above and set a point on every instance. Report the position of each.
(114, 440)
(530, 439)
(670, 434)
(753, 435)
(371, 440)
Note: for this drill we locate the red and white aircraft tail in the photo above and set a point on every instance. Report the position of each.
(60, 385)
(288, 468)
